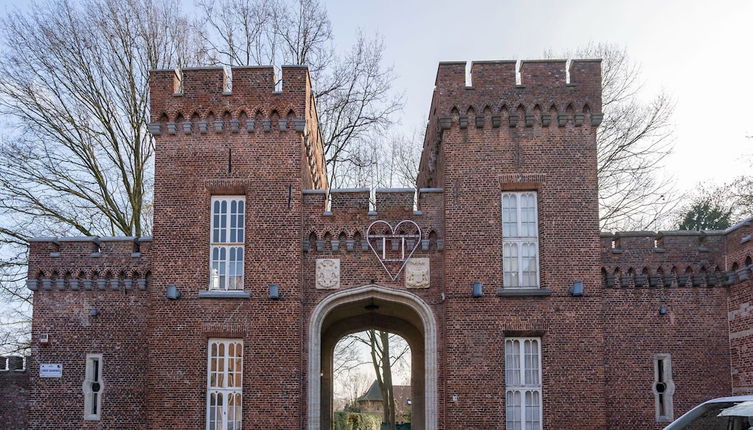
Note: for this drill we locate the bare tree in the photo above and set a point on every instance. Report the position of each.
(77, 158)
(353, 91)
(386, 353)
(634, 140)
(383, 161)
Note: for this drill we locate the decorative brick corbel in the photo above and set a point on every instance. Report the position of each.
(546, 119)
(496, 121)
(513, 120)
(155, 128)
(562, 119)
(529, 119)
(596, 119)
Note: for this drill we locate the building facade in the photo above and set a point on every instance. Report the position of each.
(518, 311)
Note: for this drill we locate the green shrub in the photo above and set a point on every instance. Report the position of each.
(356, 421)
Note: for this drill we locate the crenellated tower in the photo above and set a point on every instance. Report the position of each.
(234, 150)
(526, 130)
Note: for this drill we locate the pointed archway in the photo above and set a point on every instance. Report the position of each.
(372, 306)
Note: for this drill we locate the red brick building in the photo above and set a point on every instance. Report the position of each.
(517, 310)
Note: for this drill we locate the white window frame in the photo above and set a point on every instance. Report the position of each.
(223, 250)
(524, 385)
(520, 242)
(93, 399)
(220, 386)
(663, 401)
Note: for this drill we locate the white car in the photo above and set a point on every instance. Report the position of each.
(724, 413)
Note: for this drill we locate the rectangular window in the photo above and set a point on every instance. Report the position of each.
(226, 243)
(225, 384)
(664, 387)
(523, 384)
(93, 387)
(520, 240)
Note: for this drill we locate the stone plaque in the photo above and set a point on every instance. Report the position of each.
(417, 273)
(328, 273)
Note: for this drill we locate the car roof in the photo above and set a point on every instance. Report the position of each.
(731, 399)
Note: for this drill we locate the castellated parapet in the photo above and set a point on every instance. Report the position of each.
(247, 103)
(89, 263)
(338, 221)
(539, 95)
(677, 258)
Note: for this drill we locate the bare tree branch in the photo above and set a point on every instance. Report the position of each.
(74, 95)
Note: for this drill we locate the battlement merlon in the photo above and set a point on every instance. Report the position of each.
(248, 90)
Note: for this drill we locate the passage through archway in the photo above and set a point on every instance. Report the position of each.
(379, 308)
(372, 378)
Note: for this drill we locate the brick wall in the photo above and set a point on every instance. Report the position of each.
(72, 278)
(14, 393)
(740, 312)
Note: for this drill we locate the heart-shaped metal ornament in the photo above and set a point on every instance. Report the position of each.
(393, 246)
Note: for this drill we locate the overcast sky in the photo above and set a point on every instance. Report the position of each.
(698, 51)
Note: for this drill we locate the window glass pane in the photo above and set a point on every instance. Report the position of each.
(512, 363)
(212, 411)
(512, 410)
(528, 214)
(223, 221)
(510, 265)
(531, 362)
(233, 221)
(238, 409)
(529, 266)
(241, 220)
(230, 412)
(532, 410)
(235, 269)
(216, 221)
(509, 215)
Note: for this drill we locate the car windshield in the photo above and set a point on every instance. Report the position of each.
(719, 416)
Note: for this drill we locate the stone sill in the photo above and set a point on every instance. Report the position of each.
(524, 292)
(219, 294)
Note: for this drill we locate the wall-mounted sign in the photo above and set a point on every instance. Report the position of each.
(51, 370)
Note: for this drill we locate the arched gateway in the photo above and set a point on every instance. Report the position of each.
(372, 306)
